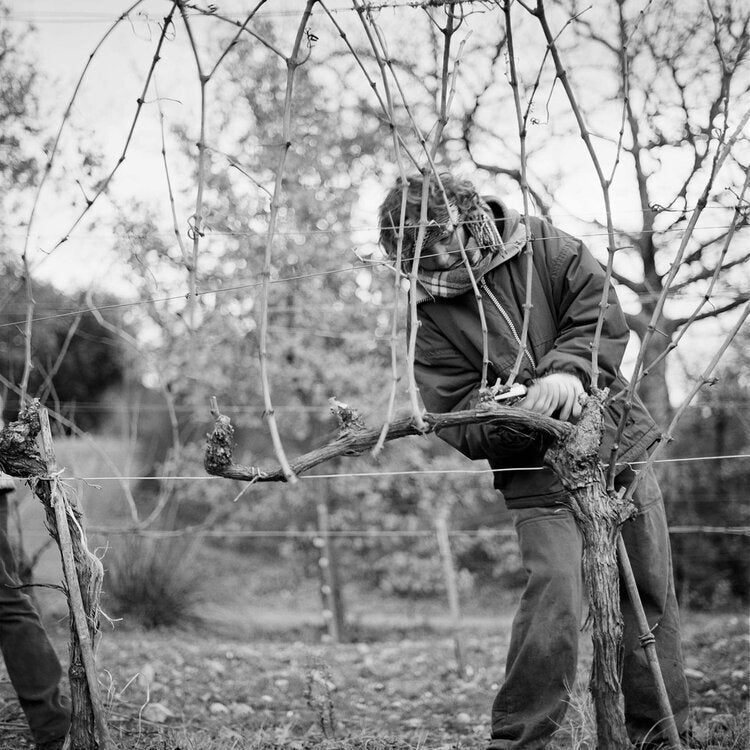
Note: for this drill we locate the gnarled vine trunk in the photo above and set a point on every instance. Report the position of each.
(599, 515)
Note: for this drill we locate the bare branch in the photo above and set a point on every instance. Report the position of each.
(388, 108)
(105, 183)
(705, 379)
(196, 229)
(236, 37)
(718, 310)
(528, 249)
(292, 63)
(738, 214)
(356, 440)
(448, 32)
(175, 224)
(241, 26)
(719, 158)
(56, 142)
(603, 182)
(707, 273)
(27, 363)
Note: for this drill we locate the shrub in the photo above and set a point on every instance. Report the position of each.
(148, 582)
(490, 557)
(406, 574)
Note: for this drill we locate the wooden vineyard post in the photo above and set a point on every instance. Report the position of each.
(83, 577)
(330, 587)
(648, 643)
(451, 584)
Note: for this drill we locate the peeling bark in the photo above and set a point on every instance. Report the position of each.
(599, 516)
(19, 454)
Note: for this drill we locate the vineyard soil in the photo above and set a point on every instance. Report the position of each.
(196, 689)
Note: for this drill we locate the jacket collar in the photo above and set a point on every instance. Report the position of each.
(507, 219)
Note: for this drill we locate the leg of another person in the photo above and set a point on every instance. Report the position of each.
(541, 664)
(32, 664)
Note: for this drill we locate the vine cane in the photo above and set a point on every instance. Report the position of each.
(648, 642)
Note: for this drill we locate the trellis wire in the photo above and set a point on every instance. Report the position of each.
(554, 215)
(369, 533)
(257, 408)
(413, 472)
(238, 287)
(68, 17)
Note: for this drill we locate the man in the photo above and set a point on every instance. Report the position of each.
(32, 664)
(566, 292)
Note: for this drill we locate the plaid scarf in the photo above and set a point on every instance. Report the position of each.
(486, 252)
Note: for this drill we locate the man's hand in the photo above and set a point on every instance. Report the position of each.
(556, 392)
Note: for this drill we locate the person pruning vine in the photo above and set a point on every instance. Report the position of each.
(473, 243)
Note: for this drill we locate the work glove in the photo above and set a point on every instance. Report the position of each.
(558, 393)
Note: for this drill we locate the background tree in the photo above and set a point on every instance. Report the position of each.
(330, 310)
(321, 323)
(683, 73)
(325, 320)
(74, 362)
(19, 110)
(324, 316)
(660, 91)
(711, 568)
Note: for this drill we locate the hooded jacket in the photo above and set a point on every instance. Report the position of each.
(566, 293)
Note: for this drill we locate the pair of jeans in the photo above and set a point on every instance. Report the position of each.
(541, 663)
(33, 667)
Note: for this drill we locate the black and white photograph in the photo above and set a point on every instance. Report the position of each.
(375, 375)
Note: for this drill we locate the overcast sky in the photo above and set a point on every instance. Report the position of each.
(103, 112)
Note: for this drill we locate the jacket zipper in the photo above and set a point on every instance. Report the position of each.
(507, 319)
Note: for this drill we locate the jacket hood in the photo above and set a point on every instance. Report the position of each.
(507, 218)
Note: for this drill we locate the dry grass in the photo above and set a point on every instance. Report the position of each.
(148, 581)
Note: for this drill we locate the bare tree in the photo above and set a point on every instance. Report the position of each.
(674, 80)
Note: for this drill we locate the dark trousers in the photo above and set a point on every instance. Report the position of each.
(33, 666)
(541, 664)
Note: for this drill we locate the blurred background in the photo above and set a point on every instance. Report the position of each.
(135, 232)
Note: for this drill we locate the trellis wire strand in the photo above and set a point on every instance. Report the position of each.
(412, 472)
(371, 533)
(221, 290)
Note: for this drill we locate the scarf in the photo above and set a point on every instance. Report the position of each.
(487, 251)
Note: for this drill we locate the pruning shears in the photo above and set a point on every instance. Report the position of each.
(507, 393)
